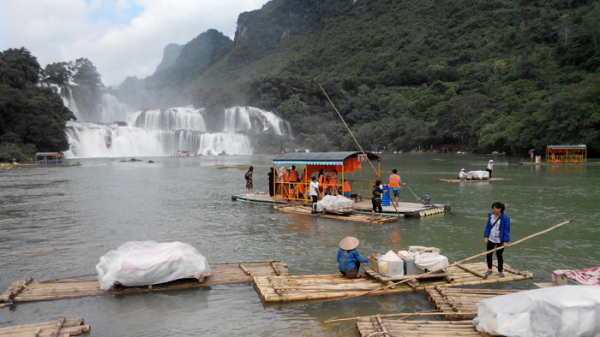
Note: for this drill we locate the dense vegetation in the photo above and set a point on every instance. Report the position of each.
(32, 117)
(506, 75)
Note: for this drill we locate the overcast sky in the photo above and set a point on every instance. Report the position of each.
(121, 37)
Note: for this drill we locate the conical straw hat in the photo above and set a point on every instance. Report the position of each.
(349, 243)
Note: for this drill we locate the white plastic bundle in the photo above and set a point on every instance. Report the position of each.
(337, 204)
(391, 265)
(483, 175)
(142, 263)
(556, 311)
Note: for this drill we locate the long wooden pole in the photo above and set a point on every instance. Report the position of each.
(377, 174)
(404, 314)
(467, 259)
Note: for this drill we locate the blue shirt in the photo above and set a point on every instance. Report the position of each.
(377, 192)
(351, 259)
(399, 180)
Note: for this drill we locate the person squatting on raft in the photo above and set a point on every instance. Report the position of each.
(395, 183)
(376, 200)
(313, 192)
(462, 175)
(497, 234)
(349, 259)
(249, 180)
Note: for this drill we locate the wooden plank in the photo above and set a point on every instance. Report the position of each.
(376, 326)
(62, 327)
(65, 289)
(472, 181)
(449, 300)
(356, 217)
(315, 287)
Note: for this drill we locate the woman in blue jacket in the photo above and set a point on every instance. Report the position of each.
(497, 234)
(353, 260)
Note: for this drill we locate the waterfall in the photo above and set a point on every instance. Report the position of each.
(91, 140)
(241, 118)
(113, 110)
(185, 118)
(66, 93)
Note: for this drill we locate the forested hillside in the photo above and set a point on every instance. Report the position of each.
(488, 74)
(32, 117)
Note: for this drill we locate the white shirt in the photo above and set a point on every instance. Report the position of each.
(462, 174)
(495, 232)
(490, 166)
(314, 187)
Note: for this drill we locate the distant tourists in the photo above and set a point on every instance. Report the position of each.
(376, 200)
(321, 178)
(249, 180)
(293, 178)
(395, 183)
(313, 192)
(347, 190)
(490, 167)
(271, 178)
(462, 175)
(497, 234)
(349, 259)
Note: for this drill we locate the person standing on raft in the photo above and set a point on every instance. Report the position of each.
(395, 183)
(490, 167)
(497, 234)
(249, 180)
(349, 259)
(313, 192)
(376, 200)
(271, 178)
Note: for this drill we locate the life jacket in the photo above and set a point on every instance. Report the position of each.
(395, 181)
(321, 179)
(347, 187)
(285, 177)
(293, 176)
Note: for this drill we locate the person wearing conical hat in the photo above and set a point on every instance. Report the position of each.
(349, 259)
(462, 175)
(490, 167)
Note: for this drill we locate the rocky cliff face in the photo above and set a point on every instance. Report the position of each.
(170, 54)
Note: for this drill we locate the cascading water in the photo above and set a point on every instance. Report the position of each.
(163, 132)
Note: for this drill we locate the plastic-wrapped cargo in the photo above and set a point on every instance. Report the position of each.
(142, 263)
(483, 175)
(337, 204)
(556, 311)
(391, 265)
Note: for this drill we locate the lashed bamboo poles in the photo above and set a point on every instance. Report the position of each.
(63, 328)
(469, 258)
(360, 147)
(430, 313)
(369, 327)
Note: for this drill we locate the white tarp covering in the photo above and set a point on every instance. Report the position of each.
(148, 262)
(479, 175)
(337, 204)
(556, 311)
(391, 265)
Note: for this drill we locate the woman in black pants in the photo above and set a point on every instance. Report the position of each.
(497, 234)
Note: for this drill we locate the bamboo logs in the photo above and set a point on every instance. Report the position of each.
(455, 301)
(62, 328)
(370, 327)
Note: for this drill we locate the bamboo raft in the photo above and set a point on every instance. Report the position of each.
(241, 272)
(316, 287)
(356, 217)
(376, 326)
(62, 328)
(472, 181)
(449, 300)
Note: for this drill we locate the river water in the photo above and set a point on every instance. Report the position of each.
(86, 211)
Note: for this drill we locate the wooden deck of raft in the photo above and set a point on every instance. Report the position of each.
(449, 300)
(61, 328)
(356, 217)
(316, 287)
(379, 327)
(472, 181)
(244, 272)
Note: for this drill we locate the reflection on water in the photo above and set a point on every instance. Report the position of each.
(86, 211)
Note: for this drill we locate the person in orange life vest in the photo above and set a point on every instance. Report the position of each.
(282, 178)
(321, 178)
(395, 183)
(301, 188)
(293, 178)
(347, 190)
(328, 185)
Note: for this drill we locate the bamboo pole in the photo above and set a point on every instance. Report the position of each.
(430, 313)
(377, 174)
(470, 258)
(245, 262)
